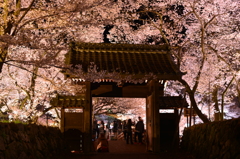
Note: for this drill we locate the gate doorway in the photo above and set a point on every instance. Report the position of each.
(110, 116)
(77, 116)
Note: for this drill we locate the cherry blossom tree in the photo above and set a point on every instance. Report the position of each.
(46, 25)
(203, 36)
(104, 105)
(27, 89)
(33, 35)
(121, 108)
(213, 45)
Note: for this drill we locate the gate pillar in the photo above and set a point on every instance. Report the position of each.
(152, 125)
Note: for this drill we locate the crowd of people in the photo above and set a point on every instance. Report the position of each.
(133, 129)
(132, 132)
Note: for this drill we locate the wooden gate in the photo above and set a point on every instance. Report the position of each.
(76, 119)
(122, 64)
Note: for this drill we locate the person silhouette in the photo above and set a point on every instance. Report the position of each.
(129, 132)
(139, 129)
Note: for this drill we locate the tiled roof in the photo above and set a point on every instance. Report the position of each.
(172, 102)
(125, 58)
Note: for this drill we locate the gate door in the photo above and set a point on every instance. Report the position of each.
(169, 134)
(74, 140)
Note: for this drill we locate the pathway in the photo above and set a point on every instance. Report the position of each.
(120, 150)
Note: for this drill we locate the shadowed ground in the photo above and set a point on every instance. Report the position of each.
(120, 150)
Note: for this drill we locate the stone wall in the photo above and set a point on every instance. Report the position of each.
(18, 141)
(215, 140)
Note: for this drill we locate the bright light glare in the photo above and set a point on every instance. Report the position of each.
(166, 110)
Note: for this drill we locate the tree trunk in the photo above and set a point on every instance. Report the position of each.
(215, 99)
(191, 94)
(195, 107)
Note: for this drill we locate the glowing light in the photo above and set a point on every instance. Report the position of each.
(73, 110)
(166, 110)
